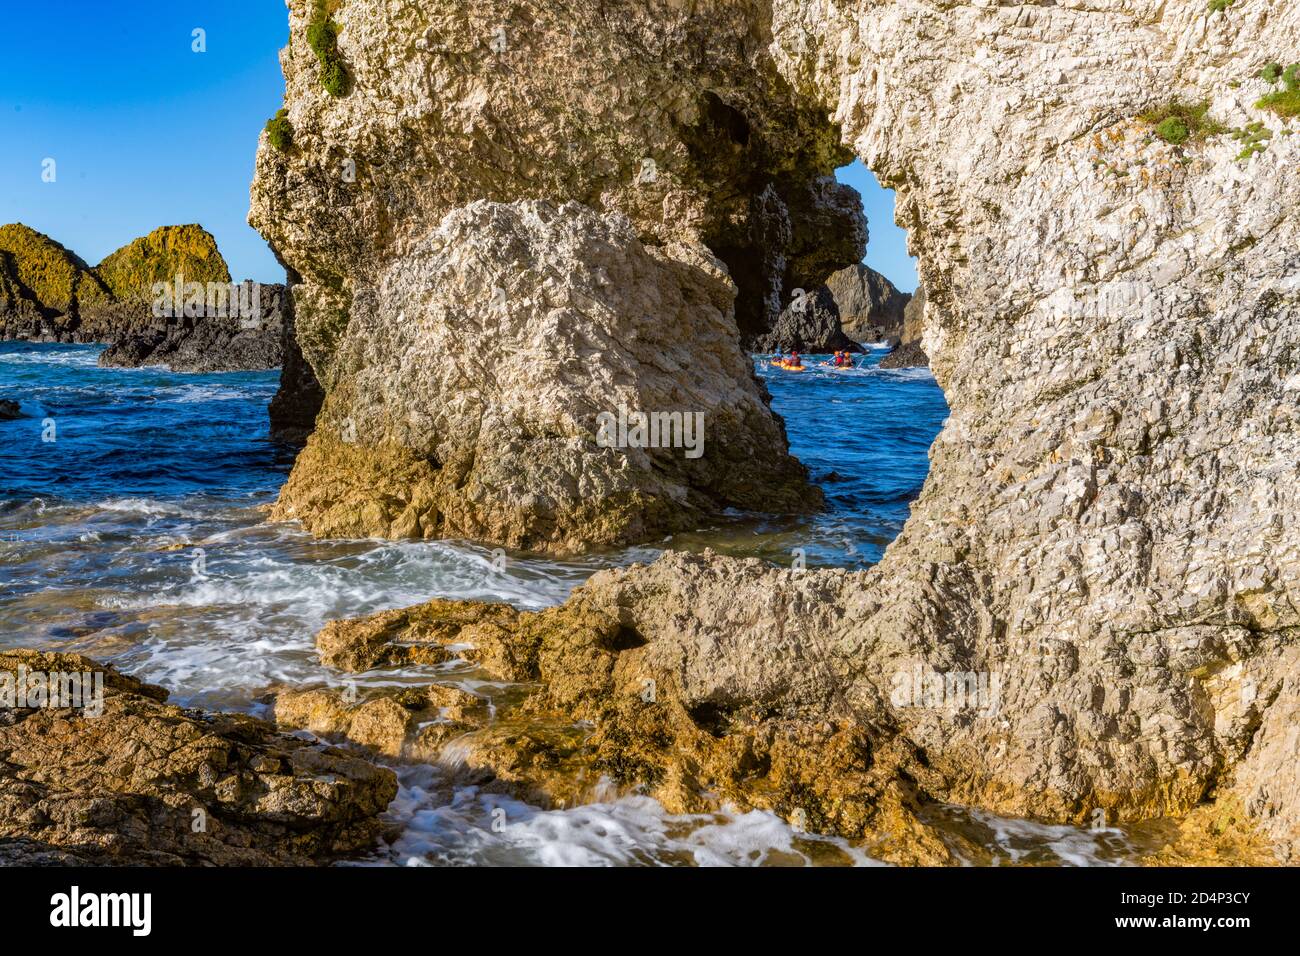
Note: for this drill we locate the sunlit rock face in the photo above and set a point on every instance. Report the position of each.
(1110, 521)
(534, 375)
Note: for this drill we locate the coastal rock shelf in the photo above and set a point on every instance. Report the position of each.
(143, 782)
(1110, 522)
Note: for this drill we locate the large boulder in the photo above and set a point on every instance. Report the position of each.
(871, 308)
(145, 782)
(489, 390)
(810, 324)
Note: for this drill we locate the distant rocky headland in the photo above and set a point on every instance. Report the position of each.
(165, 298)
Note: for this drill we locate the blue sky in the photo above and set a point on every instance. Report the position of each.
(146, 132)
(887, 247)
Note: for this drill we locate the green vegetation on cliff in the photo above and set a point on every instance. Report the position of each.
(1177, 122)
(1286, 101)
(280, 131)
(53, 275)
(323, 38)
(169, 251)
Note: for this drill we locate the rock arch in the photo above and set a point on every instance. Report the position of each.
(1110, 522)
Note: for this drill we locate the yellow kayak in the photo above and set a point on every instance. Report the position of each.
(788, 368)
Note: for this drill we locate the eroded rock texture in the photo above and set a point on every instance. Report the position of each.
(871, 308)
(672, 115)
(480, 391)
(146, 782)
(1110, 521)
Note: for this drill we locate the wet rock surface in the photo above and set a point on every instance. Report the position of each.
(146, 782)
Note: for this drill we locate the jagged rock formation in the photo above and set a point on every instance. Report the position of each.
(297, 401)
(470, 394)
(871, 308)
(631, 108)
(908, 352)
(810, 323)
(49, 294)
(210, 344)
(146, 782)
(1109, 524)
(654, 129)
(45, 288)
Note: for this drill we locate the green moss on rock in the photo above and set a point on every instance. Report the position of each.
(323, 38)
(1286, 101)
(1177, 122)
(169, 251)
(280, 131)
(57, 278)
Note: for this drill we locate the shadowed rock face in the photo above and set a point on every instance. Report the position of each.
(871, 309)
(248, 343)
(1110, 520)
(145, 782)
(809, 324)
(481, 391)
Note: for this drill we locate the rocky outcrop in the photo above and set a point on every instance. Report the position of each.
(672, 115)
(9, 410)
(651, 128)
(49, 294)
(166, 254)
(209, 344)
(297, 401)
(1108, 525)
(45, 288)
(492, 388)
(809, 324)
(871, 308)
(908, 352)
(905, 355)
(145, 782)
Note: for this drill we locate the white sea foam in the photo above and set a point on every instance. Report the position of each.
(78, 359)
(469, 826)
